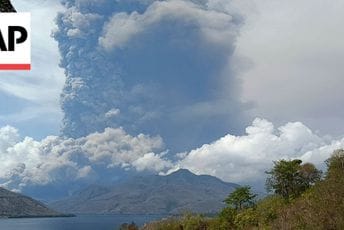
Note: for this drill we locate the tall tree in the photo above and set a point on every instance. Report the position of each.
(335, 164)
(240, 198)
(290, 178)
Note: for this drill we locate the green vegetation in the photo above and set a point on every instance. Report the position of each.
(300, 199)
(291, 178)
(241, 198)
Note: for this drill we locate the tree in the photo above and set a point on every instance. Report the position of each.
(240, 198)
(291, 178)
(309, 175)
(335, 164)
(322, 206)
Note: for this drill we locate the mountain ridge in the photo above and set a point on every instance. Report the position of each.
(15, 205)
(171, 194)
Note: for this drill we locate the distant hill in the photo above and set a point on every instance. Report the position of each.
(14, 205)
(171, 194)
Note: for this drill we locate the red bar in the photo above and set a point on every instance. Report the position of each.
(15, 66)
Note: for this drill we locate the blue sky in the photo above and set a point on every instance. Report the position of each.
(153, 86)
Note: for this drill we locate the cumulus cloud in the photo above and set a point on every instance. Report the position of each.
(53, 160)
(165, 65)
(152, 161)
(244, 159)
(8, 136)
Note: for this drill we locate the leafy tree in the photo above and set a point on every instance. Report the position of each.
(240, 198)
(308, 176)
(335, 164)
(290, 178)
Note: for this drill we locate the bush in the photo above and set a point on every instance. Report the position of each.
(219, 224)
(246, 219)
(193, 222)
(267, 209)
(165, 224)
(186, 222)
(227, 215)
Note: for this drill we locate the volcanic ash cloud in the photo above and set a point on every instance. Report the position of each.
(156, 67)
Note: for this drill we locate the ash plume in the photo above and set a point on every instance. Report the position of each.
(156, 67)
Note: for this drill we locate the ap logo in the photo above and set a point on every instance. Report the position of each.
(15, 39)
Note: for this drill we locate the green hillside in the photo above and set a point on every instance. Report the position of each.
(302, 197)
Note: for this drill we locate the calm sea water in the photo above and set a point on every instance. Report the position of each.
(81, 222)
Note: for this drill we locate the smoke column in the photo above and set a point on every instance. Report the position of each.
(156, 67)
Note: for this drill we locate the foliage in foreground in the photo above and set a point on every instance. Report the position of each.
(301, 200)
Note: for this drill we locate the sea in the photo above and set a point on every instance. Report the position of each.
(80, 222)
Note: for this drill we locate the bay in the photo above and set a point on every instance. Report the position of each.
(80, 222)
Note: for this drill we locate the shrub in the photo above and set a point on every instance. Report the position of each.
(246, 219)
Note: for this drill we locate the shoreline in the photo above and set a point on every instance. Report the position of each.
(37, 216)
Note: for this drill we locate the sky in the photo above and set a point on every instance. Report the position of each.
(142, 86)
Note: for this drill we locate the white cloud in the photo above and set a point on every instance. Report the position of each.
(241, 159)
(246, 158)
(9, 136)
(112, 113)
(55, 159)
(153, 162)
(116, 147)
